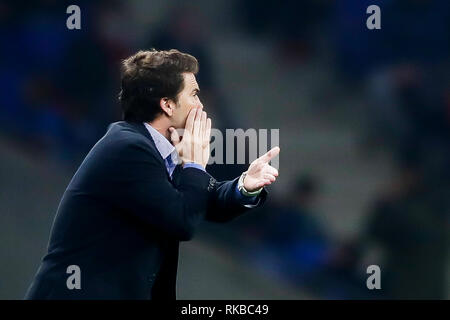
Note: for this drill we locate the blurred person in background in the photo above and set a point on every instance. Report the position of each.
(409, 227)
(293, 245)
(293, 25)
(49, 76)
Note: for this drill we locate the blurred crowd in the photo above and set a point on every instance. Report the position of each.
(404, 73)
(59, 92)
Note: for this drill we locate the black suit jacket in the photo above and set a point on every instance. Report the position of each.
(121, 218)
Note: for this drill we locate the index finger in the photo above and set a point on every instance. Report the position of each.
(272, 153)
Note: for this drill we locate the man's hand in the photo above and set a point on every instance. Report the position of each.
(260, 173)
(194, 144)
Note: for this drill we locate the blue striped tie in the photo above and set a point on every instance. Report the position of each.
(171, 165)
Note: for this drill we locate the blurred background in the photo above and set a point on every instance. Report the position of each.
(364, 119)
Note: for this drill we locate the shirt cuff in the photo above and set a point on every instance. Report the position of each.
(194, 165)
(248, 202)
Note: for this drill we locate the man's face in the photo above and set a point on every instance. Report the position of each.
(187, 99)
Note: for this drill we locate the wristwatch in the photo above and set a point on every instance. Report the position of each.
(242, 189)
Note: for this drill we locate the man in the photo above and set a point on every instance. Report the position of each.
(135, 196)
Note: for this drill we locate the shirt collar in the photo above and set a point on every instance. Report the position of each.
(165, 148)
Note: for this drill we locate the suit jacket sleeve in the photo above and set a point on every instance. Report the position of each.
(223, 203)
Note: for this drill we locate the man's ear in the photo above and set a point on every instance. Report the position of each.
(167, 106)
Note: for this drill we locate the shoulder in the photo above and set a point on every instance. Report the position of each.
(123, 141)
(120, 153)
(123, 132)
(128, 135)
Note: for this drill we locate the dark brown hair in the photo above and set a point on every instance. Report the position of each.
(148, 76)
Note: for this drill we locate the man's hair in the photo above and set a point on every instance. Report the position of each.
(148, 76)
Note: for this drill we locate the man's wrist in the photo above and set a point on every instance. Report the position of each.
(244, 191)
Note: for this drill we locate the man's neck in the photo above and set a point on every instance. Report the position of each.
(162, 126)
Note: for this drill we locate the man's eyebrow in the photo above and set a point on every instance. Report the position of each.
(197, 90)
